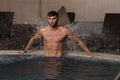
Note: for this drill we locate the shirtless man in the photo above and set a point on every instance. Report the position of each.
(54, 36)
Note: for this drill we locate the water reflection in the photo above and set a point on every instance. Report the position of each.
(52, 67)
(68, 69)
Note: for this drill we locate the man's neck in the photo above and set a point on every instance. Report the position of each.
(54, 27)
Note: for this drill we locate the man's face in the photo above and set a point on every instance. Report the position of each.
(53, 20)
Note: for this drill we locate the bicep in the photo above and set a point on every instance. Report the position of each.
(37, 34)
(72, 36)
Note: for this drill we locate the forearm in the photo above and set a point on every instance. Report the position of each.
(30, 43)
(84, 47)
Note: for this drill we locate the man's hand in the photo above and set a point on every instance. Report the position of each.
(21, 52)
(92, 55)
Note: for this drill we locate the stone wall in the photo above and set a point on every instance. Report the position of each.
(20, 35)
(6, 21)
(89, 32)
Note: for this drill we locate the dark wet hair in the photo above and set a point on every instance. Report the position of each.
(53, 13)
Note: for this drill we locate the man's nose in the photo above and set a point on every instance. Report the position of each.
(51, 20)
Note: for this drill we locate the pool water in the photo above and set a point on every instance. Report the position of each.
(71, 69)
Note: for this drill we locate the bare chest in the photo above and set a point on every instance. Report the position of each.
(54, 36)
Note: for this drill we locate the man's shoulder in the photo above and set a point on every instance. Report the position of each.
(66, 29)
(42, 29)
(63, 28)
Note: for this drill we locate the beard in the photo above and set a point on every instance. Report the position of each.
(53, 25)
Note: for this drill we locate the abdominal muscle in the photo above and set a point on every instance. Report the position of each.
(53, 49)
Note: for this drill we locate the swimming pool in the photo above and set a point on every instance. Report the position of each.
(71, 69)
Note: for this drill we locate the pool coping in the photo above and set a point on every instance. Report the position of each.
(101, 57)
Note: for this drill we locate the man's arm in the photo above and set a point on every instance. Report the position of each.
(72, 36)
(31, 41)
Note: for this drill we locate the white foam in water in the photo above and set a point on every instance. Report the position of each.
(80, 28)
(86, 28)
